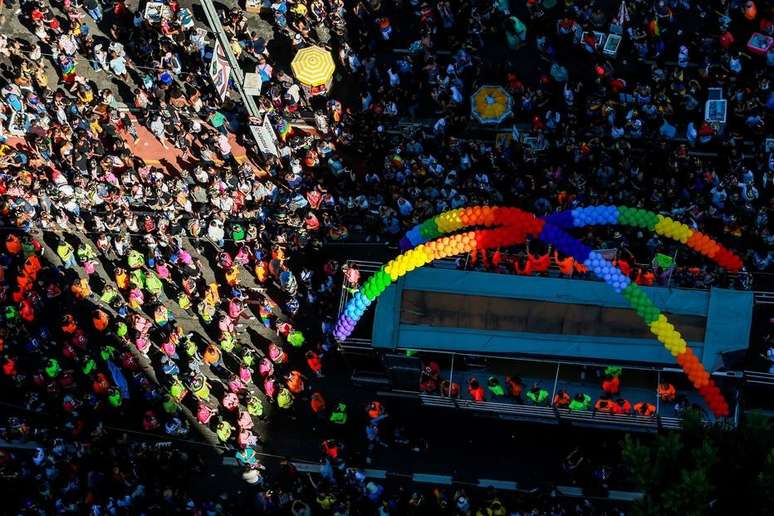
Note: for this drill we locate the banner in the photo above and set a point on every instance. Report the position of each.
(265, 137)
(119, 379)
(220, 71)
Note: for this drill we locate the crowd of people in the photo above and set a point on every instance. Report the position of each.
(188, 298)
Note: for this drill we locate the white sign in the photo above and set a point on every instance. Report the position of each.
(220, 71)
(265, 137)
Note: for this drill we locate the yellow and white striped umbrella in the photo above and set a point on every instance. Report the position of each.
(313, 66)
(490, 104)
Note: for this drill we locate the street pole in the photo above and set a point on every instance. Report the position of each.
(236, 72)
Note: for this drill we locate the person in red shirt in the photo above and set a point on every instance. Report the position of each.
(313, 361)
(375, 409)
(317, 403)
(562, 399)
(475, 390)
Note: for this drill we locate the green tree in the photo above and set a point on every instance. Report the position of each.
(704, 469)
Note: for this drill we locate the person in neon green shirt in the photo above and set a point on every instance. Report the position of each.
(89, 366)
(495, 387)
(184, 301)
(200, 387)
(537, 396)
(109, 294)
(137, 278)
(580, 402)
(227, 342)
(135, 259)
(296, 338)
(169, 404)
(284, 398)
(177, 389)
(248, 358)
(254, 406)
(339, 414)
(53, 368)
(153, 284)
(114, 397)
(108, 352)
(224, 431)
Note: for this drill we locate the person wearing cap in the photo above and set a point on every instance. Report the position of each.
(494, 386)
(537, 396)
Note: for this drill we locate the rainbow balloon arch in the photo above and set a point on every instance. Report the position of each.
(442, 236)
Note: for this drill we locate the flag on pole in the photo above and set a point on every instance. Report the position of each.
(664, 261)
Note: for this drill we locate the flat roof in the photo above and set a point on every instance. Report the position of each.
(479, 312)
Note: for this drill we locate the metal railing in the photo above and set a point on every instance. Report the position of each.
(553, 415)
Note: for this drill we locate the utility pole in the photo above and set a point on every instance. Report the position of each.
(236, 72)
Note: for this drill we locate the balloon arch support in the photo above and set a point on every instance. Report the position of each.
(450, 234)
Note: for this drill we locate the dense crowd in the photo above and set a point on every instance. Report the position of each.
(190, 294)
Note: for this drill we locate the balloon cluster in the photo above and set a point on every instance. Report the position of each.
(673, 229)
(714, 398)
(459, 218)
(565, 243)
(607, 271)
(595, 215)
(425, 243)
(666, 334)
(637, 217)
(641, 303)
(727, 259)
(703, 244)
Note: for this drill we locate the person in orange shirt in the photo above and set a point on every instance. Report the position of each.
(566, 265)
(317, 403)
(475, 390)
(13, 244)
(523, 271)
(32, 266)
(81, 289)
(538, 264)
(644, 409)
(295, 382)
(667, 392)
(68, 324)
(212, 356)
(624, 406)
(232, 276)
(261, 271)
(516, 386)
(607, 406)
(611, 385)
(645, 279)
(100, 320)
(562, 399)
